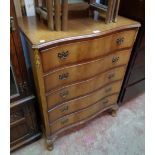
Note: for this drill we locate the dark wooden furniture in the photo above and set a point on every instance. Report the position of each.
(79, 73)
(23, 123)
(134, 83)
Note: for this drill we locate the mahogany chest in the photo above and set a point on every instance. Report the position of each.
(78, 73)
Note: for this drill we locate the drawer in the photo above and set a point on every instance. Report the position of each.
(84, 101)
(23, 124)
(17, 113)
(83, 71)
(84, 87)
(82, 114)
(86, 50)
(18, 132)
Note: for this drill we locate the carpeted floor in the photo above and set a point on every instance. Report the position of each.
(106, 135)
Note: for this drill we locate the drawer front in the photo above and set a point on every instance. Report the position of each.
(19, 131)
(84, 87)
(23, 124)
(86, 50)
(83, 114)
(84, 71)
(17, 113)
(84, 101)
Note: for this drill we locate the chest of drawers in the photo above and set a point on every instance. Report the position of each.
(78, 73)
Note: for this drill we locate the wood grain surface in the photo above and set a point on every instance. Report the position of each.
(83, 28)
(85, 50)
(76, 70)
(84, 87)
(84, 70)
(83, 114)
(84, 101)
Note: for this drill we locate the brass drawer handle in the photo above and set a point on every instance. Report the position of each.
(108, 89)
(115, 60)
(111, 75)
(63, 55)
(64, 76)
(64, 121)
(64, 93)
(65, 108)
(120, 40)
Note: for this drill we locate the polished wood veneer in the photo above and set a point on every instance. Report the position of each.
(84, 87)
(84, 101)
(83, 114)
(78, 30)
(77, 52)
(78, 73)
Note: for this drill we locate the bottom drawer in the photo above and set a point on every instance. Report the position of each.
(83, 114)
(23, 123)
(84, 101)
(21, 130)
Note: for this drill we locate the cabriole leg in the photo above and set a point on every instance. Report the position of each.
(114, 110)
(113, 113)
(49, 144)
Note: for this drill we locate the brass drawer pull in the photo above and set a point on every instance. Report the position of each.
(63, 55)
(63, 76)
(115, 60)
(64, 121)
(111, 75)
(64, 93)
(120, 40)
(65, 108)
(108, 89)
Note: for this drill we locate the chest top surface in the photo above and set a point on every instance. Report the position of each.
(40, 36)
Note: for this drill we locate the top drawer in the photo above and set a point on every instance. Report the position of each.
(85, 50)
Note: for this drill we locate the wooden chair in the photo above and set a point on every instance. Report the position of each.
(57, 12)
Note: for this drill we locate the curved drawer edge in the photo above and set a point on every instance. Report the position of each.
(78, 63)
(85, 62)
(85, 37)
(86, 108)
(104, 97)
(56, 134)
(85, 95)
(82, 81)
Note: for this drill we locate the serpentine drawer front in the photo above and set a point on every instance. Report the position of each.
(83, 114)
(78, 73)
(84, 101)
(84, 87)
(85, 50)
(85, 70)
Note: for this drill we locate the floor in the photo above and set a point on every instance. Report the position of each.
(106, 135)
